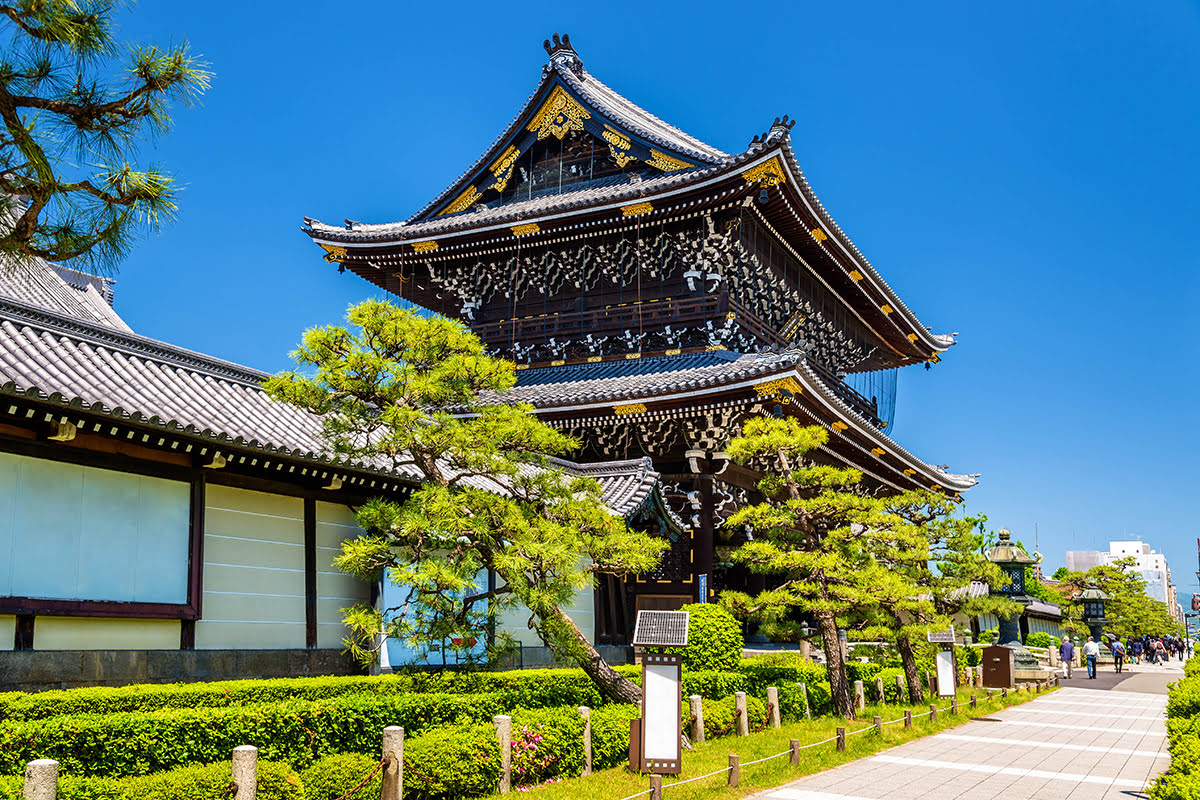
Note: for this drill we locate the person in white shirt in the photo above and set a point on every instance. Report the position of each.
(1091, 651)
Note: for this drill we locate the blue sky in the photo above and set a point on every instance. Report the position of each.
(1023, 173)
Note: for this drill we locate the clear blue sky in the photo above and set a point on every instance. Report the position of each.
(1023, 173)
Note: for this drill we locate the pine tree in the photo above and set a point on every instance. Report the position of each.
(68, 189)
(420, 396)
(819, 534)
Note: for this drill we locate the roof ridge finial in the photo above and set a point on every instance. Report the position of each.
(561, 52)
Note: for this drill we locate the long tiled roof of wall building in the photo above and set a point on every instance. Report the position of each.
(53, 348)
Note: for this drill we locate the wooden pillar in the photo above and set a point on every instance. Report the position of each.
(734, 769)
(310, 573)
(773, 706)
(908, 717)
(702, 543)
(841, 740)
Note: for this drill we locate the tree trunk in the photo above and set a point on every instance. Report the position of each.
(916, 692)
(839, 687)
(612, 685)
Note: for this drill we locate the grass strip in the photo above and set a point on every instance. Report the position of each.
(713, 756)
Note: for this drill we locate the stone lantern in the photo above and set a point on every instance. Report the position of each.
(1093, 611)
(1013, 560)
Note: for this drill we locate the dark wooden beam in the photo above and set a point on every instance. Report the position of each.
(187, 634)
(23, 640)
(94, 608)
(195, 587)
(310, 573)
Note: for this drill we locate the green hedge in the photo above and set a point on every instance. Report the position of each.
(276, 781)
(452, 762)
(330, 777)
(296, 731)
(1182, 780)
(610, 734)
(719, 716)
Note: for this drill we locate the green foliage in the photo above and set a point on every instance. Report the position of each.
(712, 683)
(610, 734)
(74, 115)
(1041, 639)
(1182, 780)
(720, 720)
(276, 781)
(407, 391)
(330, 777)
(295, 731)
(714, 638)
(452, 762)
(862, 671)
(989, 636)
(1129, 610)
(551, 739)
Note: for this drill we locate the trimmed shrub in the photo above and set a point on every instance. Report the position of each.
(452, 762)
(713, 683)
(988, 636)
(714, 638)
(330, 777)
(610, 734)
(1041, 639)
(719, 716)
(547, 742)
(276, 781)
(776, 669)
(860, 671)
(296, 731)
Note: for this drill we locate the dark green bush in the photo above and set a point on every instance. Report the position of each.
(610, 734)
(862, 671)
(714, 639)
(330, 777)
(296, 731)
(1184, 698)
(776, 669)
(276, 781)
(713, 683)
(1182, 780)
(452, 762)
(719, 715)
(552, 741)
(1042, 639)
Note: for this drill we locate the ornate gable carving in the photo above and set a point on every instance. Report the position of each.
(559, 114)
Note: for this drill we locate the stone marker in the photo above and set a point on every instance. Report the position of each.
(696, 702)
(41, 779)
(879, 725)
(743, 719)
(393, 773)
(586, 713)
(245, 771)
(734, 769)
(879, 690)
(773, 705)
(504, 739)
(900, 688)
(860, 697)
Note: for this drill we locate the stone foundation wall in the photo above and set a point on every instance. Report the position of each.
(39, 670)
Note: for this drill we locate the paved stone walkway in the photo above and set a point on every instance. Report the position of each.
(1080, 743)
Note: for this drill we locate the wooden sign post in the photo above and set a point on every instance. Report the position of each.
(655, 746)
(946, 678)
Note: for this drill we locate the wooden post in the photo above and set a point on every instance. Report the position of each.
(879, 725)
(696, 703)
(773, 705)
(860, 696)
(933, 687)
(954, 706)
(586, 713)
(734, 769)
(41, 779)
(879, 690)
(245, 771)
(901, 695)
(841, 740)
(656, 787)
(1004, 692)
(743, 719)
(972, 701)
(504, 739)
(393, 773)
(804, 693)
(794, 744)
(932, 712)
(908, 717)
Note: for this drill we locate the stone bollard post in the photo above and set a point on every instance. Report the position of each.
(734, 769)
(1054, 659)
(804, 693)
(586, 713)
(860, 696)
(954, 706)
(773, 705)
(841, 740)
(656, 787)
(41, 779)
(908, 717)
(879, 725)
(900, 693)
(393, 773)
(879, 690)
(696, 703)
(742, 718)
(504, 739)
(932, 712)
(245, 771)
(979, 676)
(794, 745)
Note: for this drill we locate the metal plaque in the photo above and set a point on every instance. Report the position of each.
(661, 629)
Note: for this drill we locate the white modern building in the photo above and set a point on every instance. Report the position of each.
(1150, 564)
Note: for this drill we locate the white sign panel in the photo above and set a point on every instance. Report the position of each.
(945, 673)
(660, 717)
(941, 637)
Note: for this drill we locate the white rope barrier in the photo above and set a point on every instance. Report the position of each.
(768, 758)
(721, 771)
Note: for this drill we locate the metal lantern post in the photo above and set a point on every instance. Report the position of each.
(1093, 600)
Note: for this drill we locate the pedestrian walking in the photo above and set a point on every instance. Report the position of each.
(1118, 651)
(1066, 652)
(1160, 650)
(1135, 650)
(1091, 651)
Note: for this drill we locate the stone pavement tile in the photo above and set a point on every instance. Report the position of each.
(1027, 786)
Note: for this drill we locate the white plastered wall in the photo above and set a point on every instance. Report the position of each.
(335, 589)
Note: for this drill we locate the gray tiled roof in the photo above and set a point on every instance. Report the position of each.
(67, 291)
(87, 366)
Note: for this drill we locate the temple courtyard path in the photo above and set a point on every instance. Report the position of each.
(1082, 742)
